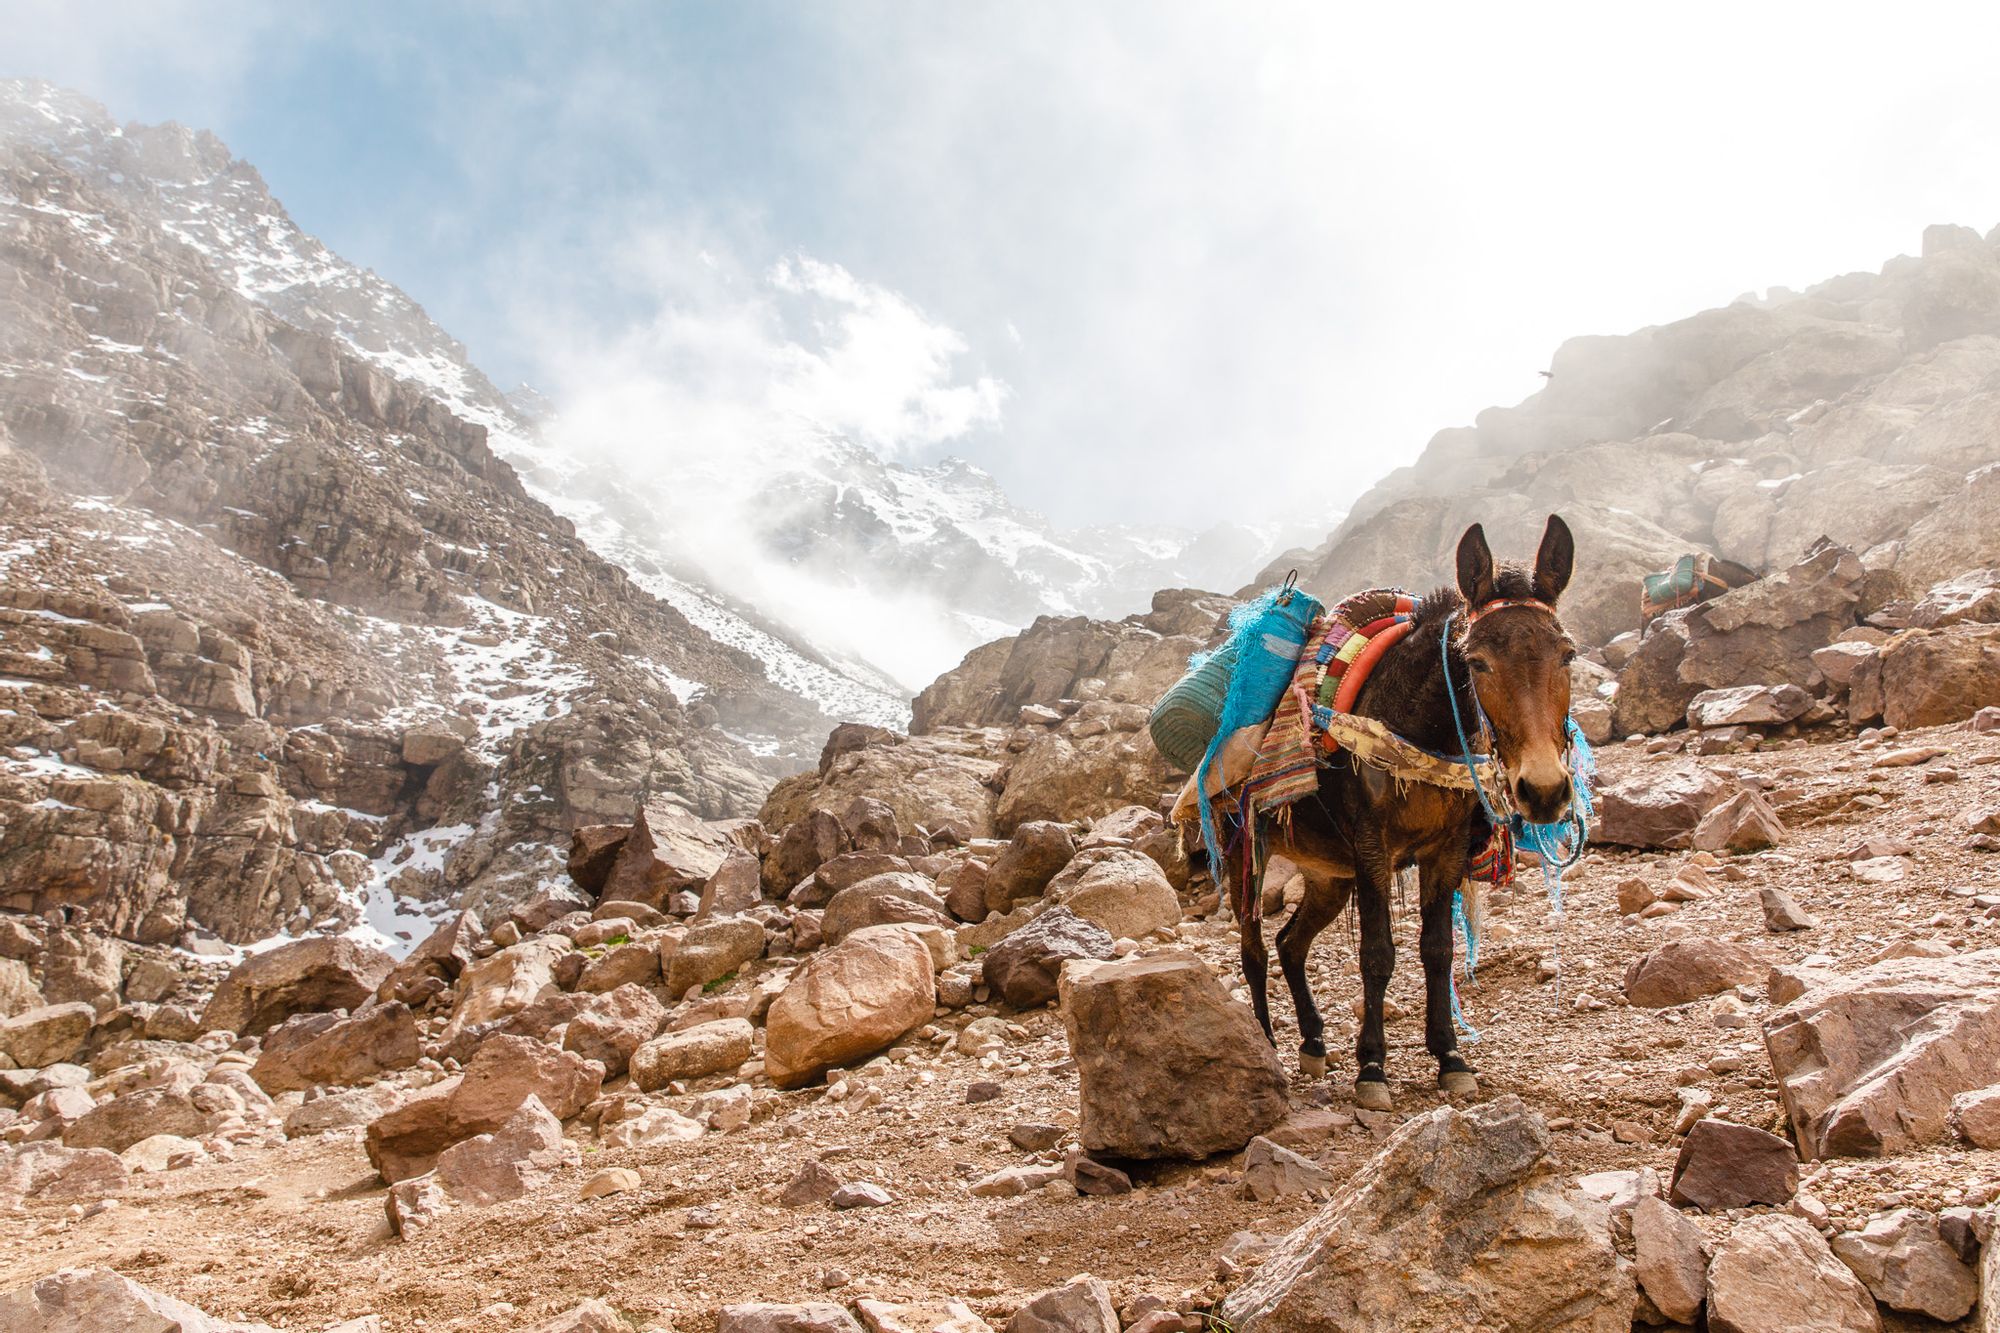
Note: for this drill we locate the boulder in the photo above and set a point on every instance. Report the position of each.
(1976, 1116)
(18, 991)
(1120, 889)
(710, 951)
(668, 851)
(636, 963)
(122, 1121)
(1782, 913)
(306, 976)
(696, 1052)
(1688, 969)
(82, 966)
(48, 1171)
(1081, 1305)
(1205, 1082)
(872, 825)
(899, 896)
(1906, 1265)
(1932, 677)
(963, 884)
(769, 1317)
(1024, 967)
(444, 954)
(848, 1002)
(47, 1035)
(405, 1140)
(506, 982)
(507, 1071)
(806, 844)
(1271, 1171)
(353, 1109)
(1774, 1274)
(1972, 596)
(593, 850)
(1459, 1221)
(1868, 1063)
(1670, 1259)
(1039, 849)
(1743, 823)
(513, 1159)
(1657, 808)
(736, 886)
(1651, 695)
(1726, 1165)
(97, 1300)
(1764, 633)
(1748, 706)
(615, 1025)
(309, 1049)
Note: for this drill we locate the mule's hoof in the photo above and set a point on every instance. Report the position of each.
(1372, 1095)
(1312, 1066)
(1459, 1083)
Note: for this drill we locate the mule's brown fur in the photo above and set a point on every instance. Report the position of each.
(1351, 837)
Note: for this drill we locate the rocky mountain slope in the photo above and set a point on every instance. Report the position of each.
(1865, 409)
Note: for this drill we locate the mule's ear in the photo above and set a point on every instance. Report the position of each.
(1555, 561)
(1475, 568)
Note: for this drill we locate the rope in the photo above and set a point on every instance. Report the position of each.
(1556, 846)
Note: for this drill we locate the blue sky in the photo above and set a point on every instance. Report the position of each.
(1140, 260)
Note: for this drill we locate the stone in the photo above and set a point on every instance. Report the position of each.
(611, 1180)
(696, 1052)
(1013, 1181)
(1906, 1265)
(593, 850)
(46, 1035)
(1023, 967)
(805, 845)
(1032, 1136)
(122, 1121)
(1933, 677)
(18, 991)
(1081, 1305)
(305, 976)
(1271, 1172)
(859, 1194)
(635, 963)
(769, 1317)
(310, 1049)
(1726, 1165)
(1121, 890)
(710, 951)
(1976, 1117)
(1207, 1082)
(506, 983)
(616, 1024)
(848, 1002)
(336, 1111)
(1669, 1259)
(162, 1152)
(964, 886)
(1474, 1184)
(1782, 913)
(1774, 1274)
(1748, 706)
(1868, 1063)
(79, 966)
(812, 1183)
(97, 1300)
(919, 1317)
(516, 1158)
(655, 1125)
(507, 1071)
(1743, 823)
(443, 955)
(667, 851)
(1688, 969)
(593, 1316)
(736, 886)
(1039, 849)
(886, 899)
(47, 1171)
(1657, 808)
(404, 1140)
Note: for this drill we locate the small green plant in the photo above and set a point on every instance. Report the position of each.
(710, 988)
(977, 949)
(617, 940)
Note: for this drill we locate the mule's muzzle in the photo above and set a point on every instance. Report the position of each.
(1542, 802)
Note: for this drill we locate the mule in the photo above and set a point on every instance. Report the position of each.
(1496, 642)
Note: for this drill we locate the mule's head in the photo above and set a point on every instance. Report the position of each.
(1519, 655)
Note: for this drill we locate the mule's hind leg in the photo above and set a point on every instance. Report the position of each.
(1242, 891)
(1378, 961)
(1455, 1075)
(1322, 903)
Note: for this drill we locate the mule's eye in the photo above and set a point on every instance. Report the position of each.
(1479, 665)
(1569, 655)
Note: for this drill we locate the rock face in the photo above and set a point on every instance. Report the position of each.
(1460, 1221)
(1870, 1062)
(1773, 1274)
(1025, 966)
(309, 976)
(1167, 1064)
(848, 1002)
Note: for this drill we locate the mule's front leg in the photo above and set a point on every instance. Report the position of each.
(1378, 962)
(1455, 1076)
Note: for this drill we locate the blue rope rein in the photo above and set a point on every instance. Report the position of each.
(1556, 846)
